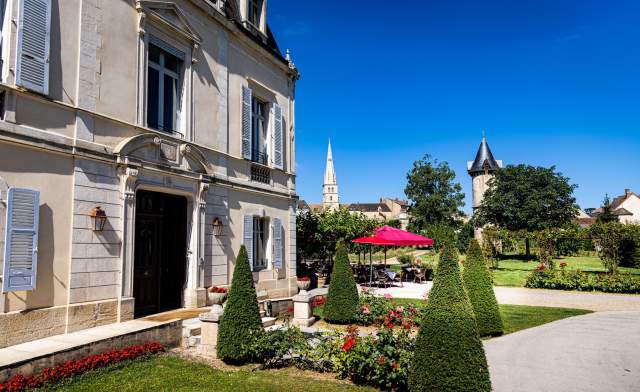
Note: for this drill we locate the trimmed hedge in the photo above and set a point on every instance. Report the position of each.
(342, 299)
(582, 281)
(449, 355)
(479, 284)
(240, 325)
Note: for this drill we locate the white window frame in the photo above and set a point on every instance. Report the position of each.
(184, 120)
(265, 222)
(177, 76)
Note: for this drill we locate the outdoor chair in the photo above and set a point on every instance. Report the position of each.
(383, 278)
(419, 275)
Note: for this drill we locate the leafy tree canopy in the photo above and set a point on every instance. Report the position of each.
(434, 196)
(318, 233)
(525, 197)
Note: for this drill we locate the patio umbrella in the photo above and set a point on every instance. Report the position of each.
(390, 236)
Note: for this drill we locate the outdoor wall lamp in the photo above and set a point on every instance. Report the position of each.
(217, 226)
(98, 218)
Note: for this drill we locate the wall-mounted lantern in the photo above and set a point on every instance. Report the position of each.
(217, 226)
(98, 218)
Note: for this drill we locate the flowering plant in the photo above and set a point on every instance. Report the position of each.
(318, 301)
(303, 279)
(218, 289)
(75, 367)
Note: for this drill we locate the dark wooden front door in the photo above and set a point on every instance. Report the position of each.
(160, 252)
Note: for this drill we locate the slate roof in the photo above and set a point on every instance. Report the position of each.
(369, 207)
(484, 156)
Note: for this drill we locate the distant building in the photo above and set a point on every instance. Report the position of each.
(384, 210)
(330, 197)
(626, 207)
(481, 170)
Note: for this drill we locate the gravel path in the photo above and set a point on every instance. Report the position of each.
(595, 352)
(536, 297)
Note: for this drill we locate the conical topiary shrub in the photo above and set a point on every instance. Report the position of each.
(449, 355)
(478, 282)
(240, 325)
(342, 300)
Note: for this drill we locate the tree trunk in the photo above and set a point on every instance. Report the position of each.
(527, 247)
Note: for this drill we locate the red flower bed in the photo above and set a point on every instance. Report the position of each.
(73, 368)
(216, 289)
(303, 279)
(318, 301)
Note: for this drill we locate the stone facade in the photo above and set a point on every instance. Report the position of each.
(88, 140)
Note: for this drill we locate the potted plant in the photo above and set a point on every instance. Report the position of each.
(217, 295)
(303, 283)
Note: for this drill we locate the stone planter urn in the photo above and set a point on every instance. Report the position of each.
(216, 298)
(303, 285)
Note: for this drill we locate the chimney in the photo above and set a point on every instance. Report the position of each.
(627, 192)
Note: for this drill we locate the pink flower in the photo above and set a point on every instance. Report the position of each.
(366, 310)
(388, 296)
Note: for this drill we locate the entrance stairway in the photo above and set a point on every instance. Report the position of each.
(192, 329)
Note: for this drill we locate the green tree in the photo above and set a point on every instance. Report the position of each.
(342, 299)
(449, 355)
(528, 198)
(240, 325)
(606, 215)
(479, 284)
(434, 197)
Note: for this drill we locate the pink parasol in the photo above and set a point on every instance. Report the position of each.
(390, 236)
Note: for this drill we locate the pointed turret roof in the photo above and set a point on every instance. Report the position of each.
(484, 160)
(329, 172)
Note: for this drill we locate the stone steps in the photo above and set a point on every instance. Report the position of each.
(191, 330)
(268, 321)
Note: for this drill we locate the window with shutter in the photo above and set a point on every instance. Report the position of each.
(32, 59)
(246, 122)
(277, 243)
(21, 240)
(277, 136)
(247, 237)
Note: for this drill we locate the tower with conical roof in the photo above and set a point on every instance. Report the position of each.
(330, 198)
(481, 170)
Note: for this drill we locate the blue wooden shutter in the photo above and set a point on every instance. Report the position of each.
(277, 136)
(32, 59)
(247, 237)
(21, 240)
(246, 122)
(277, 243)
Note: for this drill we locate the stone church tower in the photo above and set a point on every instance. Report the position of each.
(330, 198)
(481, 170)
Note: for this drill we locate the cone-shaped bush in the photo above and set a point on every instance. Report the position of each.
(342, 300)
(449, 355)
(477, 280)
(240, 325)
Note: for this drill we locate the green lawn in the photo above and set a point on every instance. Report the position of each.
(514, 317)
(514, 272)
(166, 373)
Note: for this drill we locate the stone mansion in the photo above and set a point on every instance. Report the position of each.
(142, 143)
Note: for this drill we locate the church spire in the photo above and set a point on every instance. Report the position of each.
(330, 198)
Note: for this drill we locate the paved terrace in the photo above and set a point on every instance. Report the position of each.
(597, 302)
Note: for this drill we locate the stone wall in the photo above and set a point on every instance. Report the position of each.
(95, 259)
(216, 248)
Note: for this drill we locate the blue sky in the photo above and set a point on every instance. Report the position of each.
(552, 82)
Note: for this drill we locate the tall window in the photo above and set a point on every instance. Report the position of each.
(255, 12)
(259, 131)
(260, 233)
(163, 89)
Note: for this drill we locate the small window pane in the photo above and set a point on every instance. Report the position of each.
(154, 53)
(171, 62)
(152, 98)
(169, 105)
